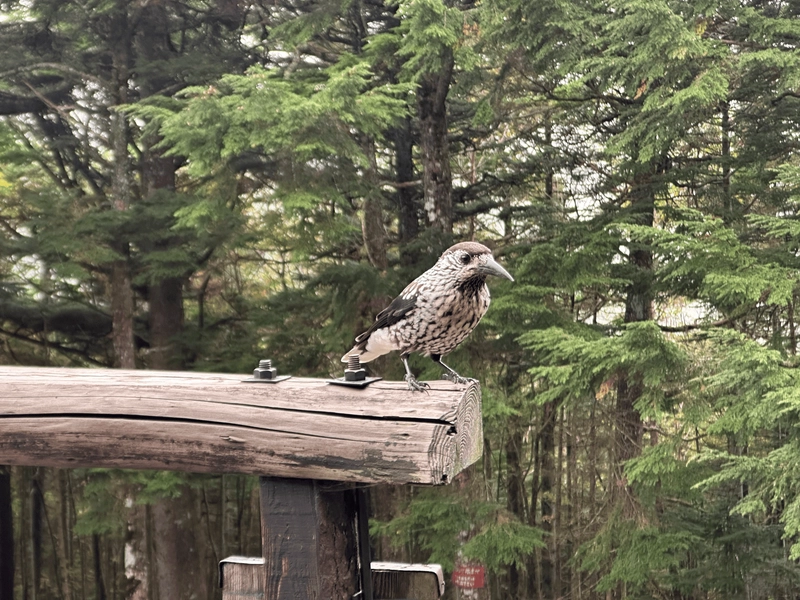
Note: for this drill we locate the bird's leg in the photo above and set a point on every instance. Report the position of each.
(453, 376)
(413, 384)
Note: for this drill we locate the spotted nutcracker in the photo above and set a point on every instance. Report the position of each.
(435, 312)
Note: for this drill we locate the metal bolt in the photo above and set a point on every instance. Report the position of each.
(354, 370)
(265, 370)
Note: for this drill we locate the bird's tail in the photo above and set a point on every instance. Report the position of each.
(364, 356)
(370, 345)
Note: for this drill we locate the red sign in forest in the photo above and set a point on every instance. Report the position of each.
(467, 575)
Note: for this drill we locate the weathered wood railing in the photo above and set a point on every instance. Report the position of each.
(312, 444)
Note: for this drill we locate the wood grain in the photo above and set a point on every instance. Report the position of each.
(214, 423)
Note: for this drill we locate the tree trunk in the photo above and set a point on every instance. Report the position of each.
(557, 535)
(122, 314)
(164, 296)
(166, 323)
(181, 555)
(373, 231)
(122, 294)
(436, 175)
(177, 558)
(546, 483)
(61, 537)
(514, 494)
(6, 536)
(535, 560)
(99, 584)
(638, 307)
(137, 567)
(575, 503)
(407, 194)
(122, 304)
(35, 499)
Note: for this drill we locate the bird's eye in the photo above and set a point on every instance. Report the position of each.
(465, 258)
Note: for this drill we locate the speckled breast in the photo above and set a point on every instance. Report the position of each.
(442, 323)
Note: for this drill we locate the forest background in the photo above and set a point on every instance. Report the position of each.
(201, 184)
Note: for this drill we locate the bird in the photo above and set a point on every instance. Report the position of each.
(435, 312)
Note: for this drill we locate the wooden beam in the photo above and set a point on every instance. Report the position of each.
(213, 423)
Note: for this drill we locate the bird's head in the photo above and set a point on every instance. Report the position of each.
(471, 261)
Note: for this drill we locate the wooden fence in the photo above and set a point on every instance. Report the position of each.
(312, 443)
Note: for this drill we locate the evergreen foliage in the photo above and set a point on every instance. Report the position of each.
(633, 163)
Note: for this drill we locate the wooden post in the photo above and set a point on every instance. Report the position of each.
(309, 539)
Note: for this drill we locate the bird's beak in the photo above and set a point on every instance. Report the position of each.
(492, 268)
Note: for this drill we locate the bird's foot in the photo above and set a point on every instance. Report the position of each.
(456, 378)
(416, 386)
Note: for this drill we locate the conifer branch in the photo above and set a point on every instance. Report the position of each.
(695, 326)
(55, 67)
(83, 354)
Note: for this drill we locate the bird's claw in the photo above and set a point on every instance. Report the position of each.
(416, 386)
(456, 378)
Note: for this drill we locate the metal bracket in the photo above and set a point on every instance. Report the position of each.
(397, 569)
(359, 384)
(354, 374)
(241, 560)
(276, 380)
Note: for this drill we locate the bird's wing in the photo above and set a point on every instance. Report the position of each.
(396, 311)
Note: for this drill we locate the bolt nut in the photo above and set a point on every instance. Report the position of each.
(355, 374)
(265, 370)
